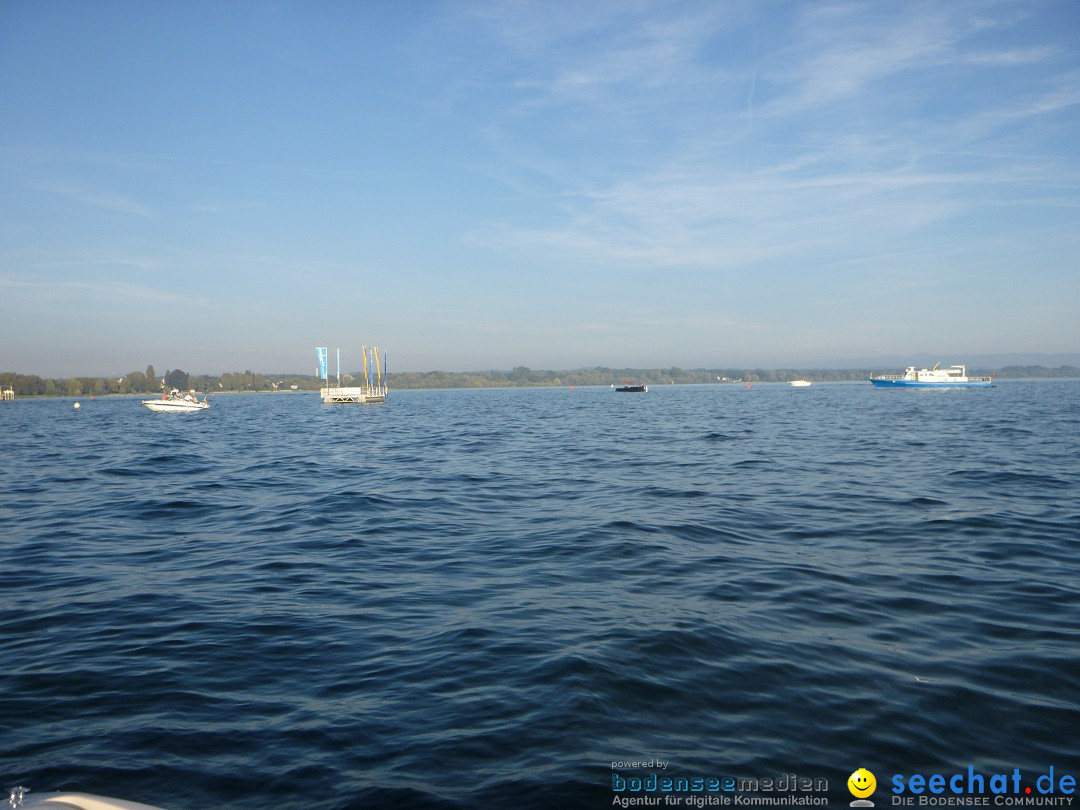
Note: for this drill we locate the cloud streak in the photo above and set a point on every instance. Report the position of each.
(115, 203)
(93, 292)
(827, 157)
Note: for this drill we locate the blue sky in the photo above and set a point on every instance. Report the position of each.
(481, 185)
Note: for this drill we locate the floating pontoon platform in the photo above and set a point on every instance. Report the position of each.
(360, 394)
(374, 379)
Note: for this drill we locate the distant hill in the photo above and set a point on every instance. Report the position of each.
(983, 361)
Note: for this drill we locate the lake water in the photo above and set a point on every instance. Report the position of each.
(485, 598)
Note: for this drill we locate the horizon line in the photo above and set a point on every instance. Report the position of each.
(848, 368)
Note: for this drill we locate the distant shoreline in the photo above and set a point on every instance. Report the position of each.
(135, 384)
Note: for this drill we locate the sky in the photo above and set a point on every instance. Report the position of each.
(483, 185)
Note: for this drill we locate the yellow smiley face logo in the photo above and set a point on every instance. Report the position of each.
(861, 783)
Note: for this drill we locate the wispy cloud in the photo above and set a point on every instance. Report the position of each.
(806, 144)
(226, 207)
(105, 200)
(93, 291)
(1010, 57)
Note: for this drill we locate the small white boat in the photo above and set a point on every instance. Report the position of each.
(175, 402)
(800, 383)
(17, 798)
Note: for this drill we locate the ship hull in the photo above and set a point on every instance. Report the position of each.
(916, 384)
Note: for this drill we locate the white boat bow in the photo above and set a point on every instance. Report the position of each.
(18, 798)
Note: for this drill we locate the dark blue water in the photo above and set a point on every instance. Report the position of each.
(485, 598)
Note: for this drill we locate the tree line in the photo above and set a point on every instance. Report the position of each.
(602, 375)
(149, 382)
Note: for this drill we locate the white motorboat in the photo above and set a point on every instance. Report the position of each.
(175, 402)
(800, 383)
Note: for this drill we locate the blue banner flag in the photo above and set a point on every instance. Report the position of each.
(320, 356)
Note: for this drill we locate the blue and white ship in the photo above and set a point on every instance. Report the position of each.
(951, 377)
